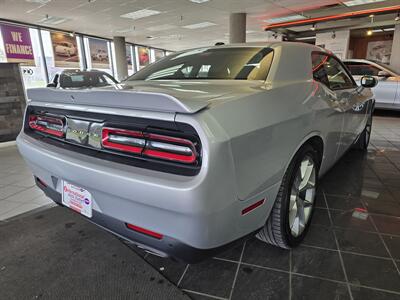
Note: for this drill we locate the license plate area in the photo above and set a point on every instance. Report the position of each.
(77, 199)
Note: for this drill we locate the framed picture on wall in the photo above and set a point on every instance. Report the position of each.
(380, 51)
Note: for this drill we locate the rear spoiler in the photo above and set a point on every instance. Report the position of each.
(127, 99)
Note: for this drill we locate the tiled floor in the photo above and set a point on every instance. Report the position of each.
(18, 193)
(351, 252)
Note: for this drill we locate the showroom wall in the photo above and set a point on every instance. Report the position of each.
(42, 52)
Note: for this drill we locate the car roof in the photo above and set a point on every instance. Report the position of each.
(264, 45)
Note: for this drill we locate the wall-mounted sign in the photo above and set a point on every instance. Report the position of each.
(17, 44)
(158, 54)
(99, 53)
(144, 56)
(65, 49)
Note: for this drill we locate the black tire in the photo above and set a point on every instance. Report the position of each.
(365, 136)
(277, 229)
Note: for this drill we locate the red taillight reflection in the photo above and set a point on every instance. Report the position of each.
(148, 144)
(50, 125)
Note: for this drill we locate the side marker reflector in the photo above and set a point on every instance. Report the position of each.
(253, 206)
(144, 231)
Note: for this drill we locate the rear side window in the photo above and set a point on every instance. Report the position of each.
(359, 69)
(329, 71)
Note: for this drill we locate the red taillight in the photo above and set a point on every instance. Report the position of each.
(145, 231)
(123, 140)
(46, 124)
(149, 144)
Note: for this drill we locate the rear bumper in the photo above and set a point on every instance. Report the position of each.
(194, 213)
(166, 247)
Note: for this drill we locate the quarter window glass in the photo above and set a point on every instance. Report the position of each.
(319, 72)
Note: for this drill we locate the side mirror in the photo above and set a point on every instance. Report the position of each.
(383, 74)
(51, 85)
(368, 81)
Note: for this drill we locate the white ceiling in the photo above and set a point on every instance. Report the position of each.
(102, 17)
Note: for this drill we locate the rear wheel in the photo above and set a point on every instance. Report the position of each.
(290, 218)
(363, 140)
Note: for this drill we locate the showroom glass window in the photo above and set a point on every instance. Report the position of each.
(359, 69)
(328, 70)
(239, 63)
(33, 76)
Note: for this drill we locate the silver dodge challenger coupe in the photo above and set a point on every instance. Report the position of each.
(201, 149)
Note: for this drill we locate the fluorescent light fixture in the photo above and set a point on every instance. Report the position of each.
(139, 14)
(389, 29)
(306, 38)
(377, 30)
(161, 27)
(126, 30)
(38, 1)
(286, 19)
(50, 20)
(360, 2)
(199, 1)
(199, 25)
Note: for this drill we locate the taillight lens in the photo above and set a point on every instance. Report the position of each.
(46, 124)
(149, 144)
(123, 140)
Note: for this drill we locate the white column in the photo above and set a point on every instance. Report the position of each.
(121, 65)
(335, 41)
(395, 55)
(237, 28)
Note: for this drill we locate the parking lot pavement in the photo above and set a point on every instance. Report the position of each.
(352, 250)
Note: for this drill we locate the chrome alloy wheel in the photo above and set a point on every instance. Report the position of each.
(302, 196)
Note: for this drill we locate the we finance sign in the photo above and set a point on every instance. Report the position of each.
(17, 44)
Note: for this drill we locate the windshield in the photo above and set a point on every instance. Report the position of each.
(85, 79)
(243, 63)
(386, 67)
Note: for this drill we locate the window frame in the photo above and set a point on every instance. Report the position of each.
(331, 55)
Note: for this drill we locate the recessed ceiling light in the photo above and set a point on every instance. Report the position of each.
(199, 25)
(139, 14)
(360, 2)
(370, 32)
(126, 30)
(161, 27)
(199, 1)
(50, 20)
(286, 19)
